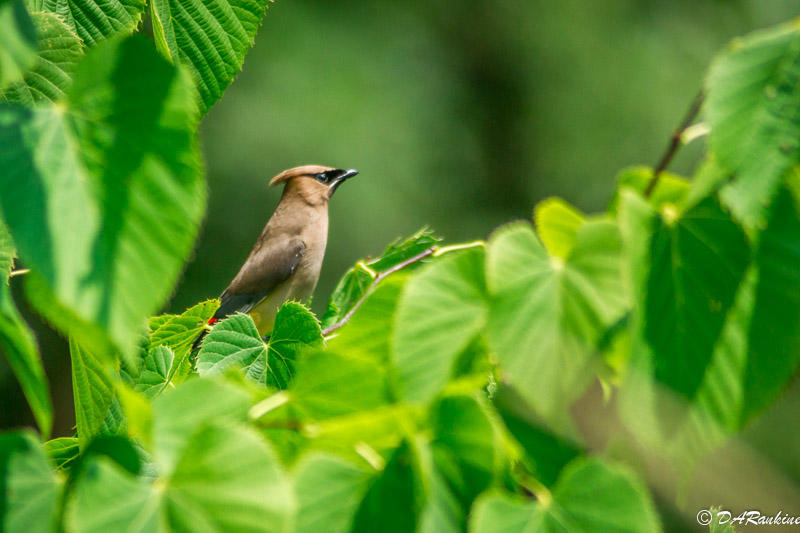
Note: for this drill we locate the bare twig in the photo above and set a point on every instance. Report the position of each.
(674, 143)
(18, 272)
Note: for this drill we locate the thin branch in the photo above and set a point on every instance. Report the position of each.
(376, 280)
(674, 143)
(18, 272)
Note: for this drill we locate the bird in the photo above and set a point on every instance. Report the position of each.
(286, 260)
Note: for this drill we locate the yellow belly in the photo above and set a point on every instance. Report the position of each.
(264, 313)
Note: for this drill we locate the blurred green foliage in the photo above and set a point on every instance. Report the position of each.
(612, 371)
(458, 115)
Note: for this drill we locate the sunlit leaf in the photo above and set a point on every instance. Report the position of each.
(328, 492)
(17, 42)
(210, 37)
(753, 108)
(557, 223)
(155, 371)
(92, 390)
(329, 384)
(107, 498)
(235, 343)
(670, 188)
(62, 451)
(94, 21)
(226, 479)
(547, 314)
(58, 52)
(103, 193)
(440, 312)
(179, 413)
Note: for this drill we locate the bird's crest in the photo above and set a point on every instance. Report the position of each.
(305, 170)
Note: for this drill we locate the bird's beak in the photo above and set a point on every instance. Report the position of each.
(342, 177)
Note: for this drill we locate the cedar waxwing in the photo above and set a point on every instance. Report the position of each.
(286, 259)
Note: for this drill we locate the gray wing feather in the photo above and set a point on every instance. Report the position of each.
(269, 264)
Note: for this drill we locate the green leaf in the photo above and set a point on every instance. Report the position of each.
(210, 37)
(92, 389)
(357, 280)
(759, 348)
(330, 384)
(547, 314)
(17, 41)
(103, 194)
(233, 343)
(62, 451)
(7, 253)
(774, 329)
(441, 311)
(227, 479)
(389, 505)
(557, 223)
(545, 453)
(442, 512)
(329, 490)
(178, 333)
(236, 343)
(107, 498)
(57, 54)
(121, 449)
(180, 412)
(369, 331)
(463, 446)
(404, 249)
(591, 495)
(685, 269)
(230, 479)
(753, 108)
(29, 490)
(670, 189)
(296, 329)
(19, 346)
(95, 21)
(155, 372)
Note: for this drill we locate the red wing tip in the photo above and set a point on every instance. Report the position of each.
(212, 320)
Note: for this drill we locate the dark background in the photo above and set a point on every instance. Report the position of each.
(459, 115)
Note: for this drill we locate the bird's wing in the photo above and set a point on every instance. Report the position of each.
(267, 267)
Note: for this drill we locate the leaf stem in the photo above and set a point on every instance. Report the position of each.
(455, 247)
(675, 142)
(18, 272)
(433, 251)
(535, 487)
(375, 281)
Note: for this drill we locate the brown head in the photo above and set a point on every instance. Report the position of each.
(313, 183)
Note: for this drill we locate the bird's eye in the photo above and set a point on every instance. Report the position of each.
(325, 177)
